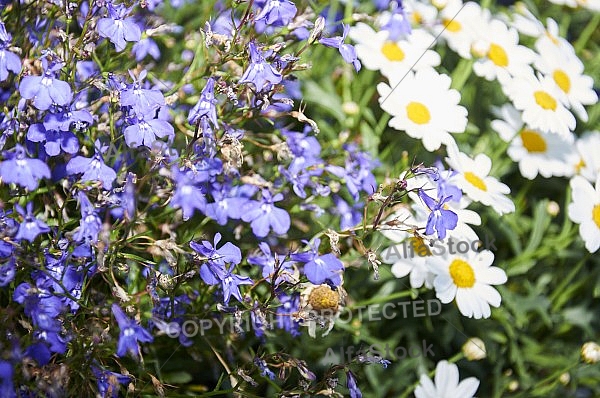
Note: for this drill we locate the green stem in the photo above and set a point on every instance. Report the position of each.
(587, 33)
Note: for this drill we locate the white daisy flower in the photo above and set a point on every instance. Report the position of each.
(377, 52)
(567, 73)
(501, 53)
(420, 13)
(593, 5)
(526, 23)
(585, 210)
(462, 25)
(535, 151)
(424, 106)
(542, 103)
(473, 179)
(585, 160)
(468, 278)
(446, 383)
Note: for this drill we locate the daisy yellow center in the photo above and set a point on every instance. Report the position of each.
(462, 273)
(417, 18)
(497, 55)
(596, 215)
(452, 25)
(418, 113)
(475, 181)
(392, 52)
(580, 165)
(533, 141)
(562, 80)
(545, 100)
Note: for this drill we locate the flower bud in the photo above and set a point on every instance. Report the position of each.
(474, 349)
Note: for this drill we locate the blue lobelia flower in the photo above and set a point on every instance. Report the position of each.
(54, 140)
(290, 304)
(46, 90)
(22, 170)
(187, 195)
(440, 219)
(143, 101)
(117, 27)
(90, 223)
(264, 216)
(205, 106)
(398, 24)
(129, 335)
(109, 382)
(324, 268)
(145, 47)
(226, 254)
(228, 202)
(144, 132)
(94, 168)
(277, 13)
(9, 61)
(272, 264)
(347, 50)
(8, 270)
(259, 73)
(349, 216)
(31, 227)
(352, 386)
(7, 388)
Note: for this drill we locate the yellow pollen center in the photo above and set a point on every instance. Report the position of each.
(533, 141)
(417, 18)
(545, 100)
(562, 80)
(596, 215)
(323, 298)
(579, 165)
(418, 113)
(462, 273)
(392, 52)
(475, 181)
(452, 25)
(497, 55)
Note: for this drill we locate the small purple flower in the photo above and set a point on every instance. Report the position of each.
(109, 382)
(9, 61)
(90, 224)
(22, 170)
(54, 141)
(46, 90)
(439, 219)
(130, 333)
(117, 27)
(277, 12)
(226, 254)
(205, 106)
(398, 25)
(264, 216)
(213, 273)
(264, 369)
(347, 50)
(143, 101)
(145, 47)
(7, 272)
(187, 195)
(349, 216)
(93, 169)
(352, 386)
(228, 202)
(289, 305)
(271, 264)
(7, 387)
(143, 132)
(31, 227)
(259, 73)
(325, 268)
